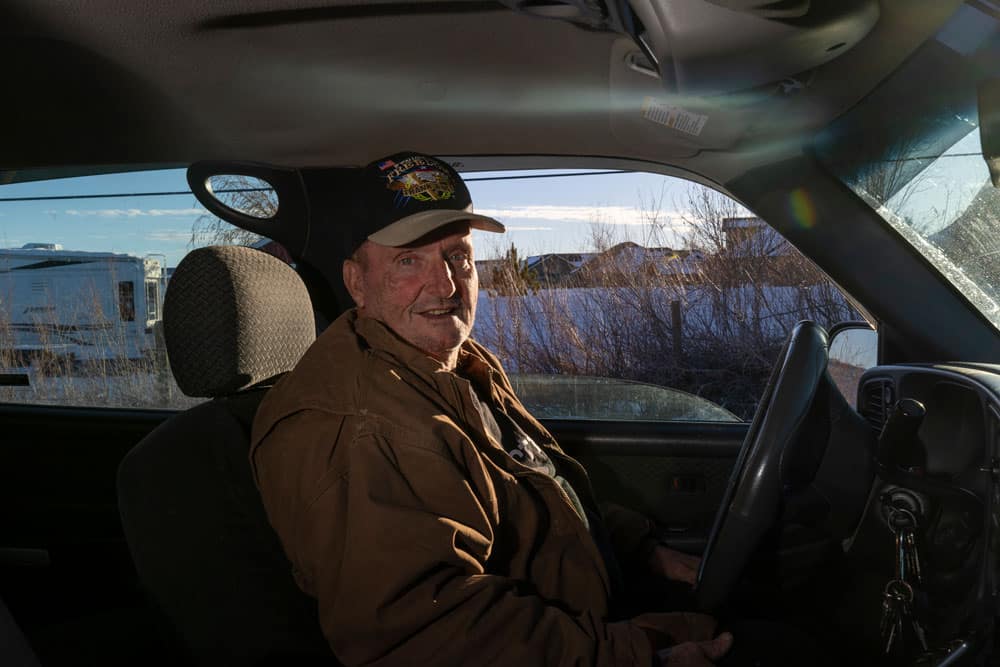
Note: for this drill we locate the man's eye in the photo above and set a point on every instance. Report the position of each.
(406, 261)
(460, 257)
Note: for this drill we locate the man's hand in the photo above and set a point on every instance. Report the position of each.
(682, 639)
(676, 627)
(696, 654)
(674, 565)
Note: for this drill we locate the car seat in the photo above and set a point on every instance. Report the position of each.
(235, 319)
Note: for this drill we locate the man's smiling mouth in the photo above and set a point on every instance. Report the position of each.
(441, 312)
(443, 309)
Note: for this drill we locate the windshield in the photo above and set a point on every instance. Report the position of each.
(912, 152)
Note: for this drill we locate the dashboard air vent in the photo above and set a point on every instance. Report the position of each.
(877, 398)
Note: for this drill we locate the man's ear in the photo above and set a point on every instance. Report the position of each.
(354, 282)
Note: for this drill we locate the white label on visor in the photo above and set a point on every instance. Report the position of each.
(673, 117)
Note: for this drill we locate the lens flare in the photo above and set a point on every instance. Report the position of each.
(803, 209)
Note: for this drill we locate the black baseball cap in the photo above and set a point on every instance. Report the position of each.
(407, 195)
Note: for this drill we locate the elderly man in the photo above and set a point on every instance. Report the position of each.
(433, 518)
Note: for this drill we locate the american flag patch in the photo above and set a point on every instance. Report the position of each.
(382, 166)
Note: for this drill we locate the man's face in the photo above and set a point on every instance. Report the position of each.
(425, 292)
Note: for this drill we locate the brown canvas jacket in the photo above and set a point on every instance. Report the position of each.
(424, 542)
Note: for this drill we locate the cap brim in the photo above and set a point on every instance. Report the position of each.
(412, 227)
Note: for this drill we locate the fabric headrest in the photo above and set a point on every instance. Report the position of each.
(232, 317)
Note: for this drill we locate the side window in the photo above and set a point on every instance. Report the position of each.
(152, 300)
(84, 266)
(637, 296)
(613, 296)
(126, 300)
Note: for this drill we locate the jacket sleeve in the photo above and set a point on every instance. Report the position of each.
(633, 535)
(394, 549)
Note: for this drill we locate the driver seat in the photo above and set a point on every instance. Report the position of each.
(235, 319)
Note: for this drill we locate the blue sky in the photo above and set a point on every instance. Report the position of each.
(542, 215)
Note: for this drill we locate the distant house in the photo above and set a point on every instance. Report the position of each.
(685, 265)
(752, 251)
(623, 264)
(550, 270)
(485, 269)
(554, 268)
(618, 265)
(755, 249)
(752, 237)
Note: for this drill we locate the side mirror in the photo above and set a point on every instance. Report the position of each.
(853, 350)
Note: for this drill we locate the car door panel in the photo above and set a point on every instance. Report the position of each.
(674, 473)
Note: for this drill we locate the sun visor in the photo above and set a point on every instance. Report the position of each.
(644, 115)
(715, 47)
(709, 47)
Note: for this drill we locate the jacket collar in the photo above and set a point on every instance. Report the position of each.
(472, 362)
(381, 338)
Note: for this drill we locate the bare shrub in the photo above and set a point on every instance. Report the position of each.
(511, 276)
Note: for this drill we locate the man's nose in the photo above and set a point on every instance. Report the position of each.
(441, 282)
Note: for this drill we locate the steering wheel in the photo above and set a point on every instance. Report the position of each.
(752, 499)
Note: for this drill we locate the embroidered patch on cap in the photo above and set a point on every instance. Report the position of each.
(418, 178)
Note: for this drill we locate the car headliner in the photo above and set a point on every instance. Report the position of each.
(306, 83)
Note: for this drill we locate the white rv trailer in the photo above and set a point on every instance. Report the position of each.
(78, 305)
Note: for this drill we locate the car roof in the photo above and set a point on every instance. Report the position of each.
(300, 83)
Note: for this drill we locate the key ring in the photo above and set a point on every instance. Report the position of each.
(910, 518)
(899, 590)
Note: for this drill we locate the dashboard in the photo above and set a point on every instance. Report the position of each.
(937, 475)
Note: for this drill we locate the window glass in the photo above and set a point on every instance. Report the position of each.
(950, 212)
(638, 296)
(913, 153)
(613, 295)
(83, 269)
(152, 301)
(126, 301)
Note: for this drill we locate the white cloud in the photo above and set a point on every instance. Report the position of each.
(135, 212)
(605, 215)
(169, 235)
(525, 228)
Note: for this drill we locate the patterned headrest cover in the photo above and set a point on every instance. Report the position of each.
(232, 317)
